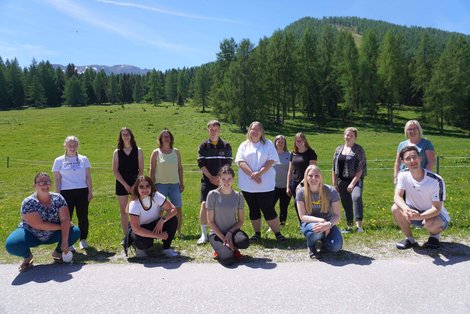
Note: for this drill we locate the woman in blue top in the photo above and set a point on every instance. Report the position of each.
(414, 135)
(45, 219)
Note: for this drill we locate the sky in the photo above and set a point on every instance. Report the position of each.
(176, 33)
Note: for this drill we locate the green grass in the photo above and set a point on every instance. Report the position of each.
(32, 138)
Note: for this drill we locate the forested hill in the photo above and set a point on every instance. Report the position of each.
(409, 35)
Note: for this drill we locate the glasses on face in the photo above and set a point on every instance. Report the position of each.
(42, 183)
(144, 186)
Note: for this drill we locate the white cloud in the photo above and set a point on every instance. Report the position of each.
(74, 10)
(166, 12)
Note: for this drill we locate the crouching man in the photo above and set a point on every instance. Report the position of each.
(423, 205)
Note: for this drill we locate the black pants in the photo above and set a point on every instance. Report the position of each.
(78, 198)
(293, 185)
(144, 243)
(284, 199)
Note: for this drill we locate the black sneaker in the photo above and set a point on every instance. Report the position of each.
(281, 238)
(405, 244)
(255, 238)
(432, 243)
(314, 254)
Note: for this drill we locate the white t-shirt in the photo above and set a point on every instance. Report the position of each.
(149, 215)
(72, 171)
(421, 194)
(256, 155)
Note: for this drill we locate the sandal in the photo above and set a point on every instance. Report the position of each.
(27, 264)
(56, 256)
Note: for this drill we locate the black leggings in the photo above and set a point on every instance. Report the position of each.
(284, 199)
(78, 198)
(144, 243)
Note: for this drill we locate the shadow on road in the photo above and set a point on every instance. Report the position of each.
(45, 273)
(252, 262)
(449, 253)
(161, 261)
(344, 257)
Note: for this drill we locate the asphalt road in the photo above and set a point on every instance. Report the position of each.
(412, 285)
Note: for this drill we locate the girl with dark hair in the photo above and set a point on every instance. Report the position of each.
(128, 163)
(146, 221)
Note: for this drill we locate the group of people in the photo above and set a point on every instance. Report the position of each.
(267, 173)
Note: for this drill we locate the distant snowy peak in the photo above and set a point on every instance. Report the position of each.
(116, 69)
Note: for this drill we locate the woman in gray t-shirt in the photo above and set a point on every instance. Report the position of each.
(225, 217)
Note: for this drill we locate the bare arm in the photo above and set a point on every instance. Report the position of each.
(396, 168)
(57, 179)
(180, 170)
(431, 157)
(89, 184)
(140, 157)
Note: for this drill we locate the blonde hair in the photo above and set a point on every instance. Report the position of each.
(415, 122)
(351, 129)
(263, 134)
(325, 208)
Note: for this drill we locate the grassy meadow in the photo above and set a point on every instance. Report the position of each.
(31, 139)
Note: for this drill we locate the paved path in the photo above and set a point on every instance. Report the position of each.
(415, 285)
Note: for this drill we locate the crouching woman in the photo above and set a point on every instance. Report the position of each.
(225, 216)
(146, 222)
(319, 212)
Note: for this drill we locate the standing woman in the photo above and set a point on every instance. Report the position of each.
(225, 216)
(44, 220)
(414, 135)
(256, 178)
(147, 223)
(280, 191)
(128, 164)
(349, 169)
(319, 212)
(302, 156)
(167, 172)
(73, 180)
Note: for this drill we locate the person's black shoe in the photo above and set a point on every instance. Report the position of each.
(314, 254)
(432, 243)
(281, 238)
(405, 244)
(255, 238)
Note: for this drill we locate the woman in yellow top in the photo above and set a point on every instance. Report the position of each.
(167, 172)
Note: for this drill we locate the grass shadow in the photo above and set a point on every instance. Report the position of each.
(92, 254)
(57, 272)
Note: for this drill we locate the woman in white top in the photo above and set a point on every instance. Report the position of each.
(73, 180)
(166, 171)
(256, 179)
(147, 223)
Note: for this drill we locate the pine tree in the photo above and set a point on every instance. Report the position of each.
(74, 92)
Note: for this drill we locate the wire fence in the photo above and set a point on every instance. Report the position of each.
(372, 164)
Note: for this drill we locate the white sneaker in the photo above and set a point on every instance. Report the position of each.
(83, 244)
(71, 248)
(170, 253)
(140, 253)
(202, 240)
(359, 230)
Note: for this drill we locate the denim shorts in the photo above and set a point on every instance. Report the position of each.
(419, 223)
(172, 191)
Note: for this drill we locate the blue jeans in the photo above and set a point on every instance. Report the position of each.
(333, 242)
(172, 191)
(21, 240)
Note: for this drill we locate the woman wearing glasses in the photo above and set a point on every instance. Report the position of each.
(44, 220)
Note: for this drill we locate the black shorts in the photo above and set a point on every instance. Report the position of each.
(206, 187)
(120, 189)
